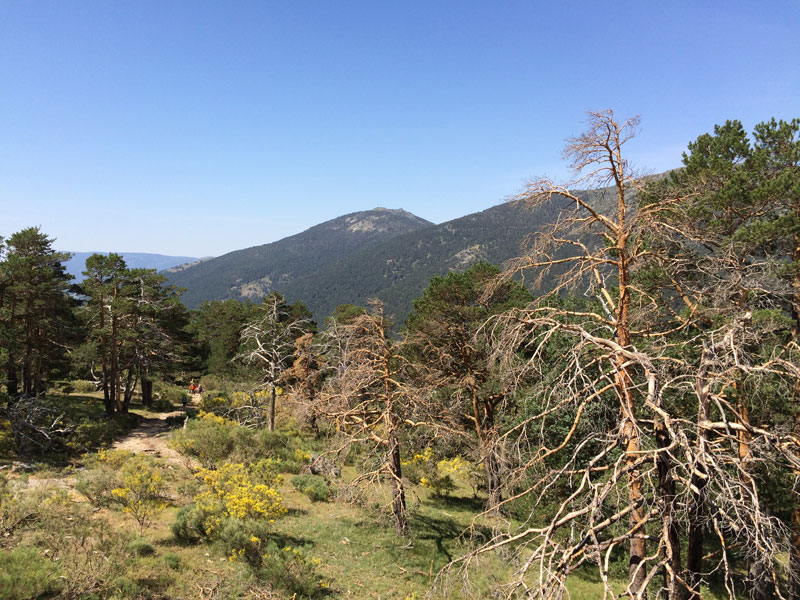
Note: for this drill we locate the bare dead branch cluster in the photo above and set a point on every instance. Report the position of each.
(36, 426)
(642, 439)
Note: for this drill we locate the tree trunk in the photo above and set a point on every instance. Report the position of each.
(697, 508)
(484, 428)
(755, 569)
(669, 530)
(493, 480)
(38, 387)
(271, 421)
(130, 384)
(794, 556)
(637, 573)
(12, 382)
(108, 401)
(399, 497)
(696, 533)
(310, 386)
(147, 392)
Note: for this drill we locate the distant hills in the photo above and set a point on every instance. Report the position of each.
(134, 260)
(388, 254)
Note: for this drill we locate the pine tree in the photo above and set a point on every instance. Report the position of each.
(36, 311)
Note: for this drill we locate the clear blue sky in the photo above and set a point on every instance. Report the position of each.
(196, 128)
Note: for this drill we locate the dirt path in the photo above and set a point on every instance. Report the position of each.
(150, 437)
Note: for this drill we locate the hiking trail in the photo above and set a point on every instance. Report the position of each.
(150, 437)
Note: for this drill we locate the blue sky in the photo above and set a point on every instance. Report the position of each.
(197, 128)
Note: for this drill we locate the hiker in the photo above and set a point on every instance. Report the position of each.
(192, 387)
(184, 400)
(200, 389)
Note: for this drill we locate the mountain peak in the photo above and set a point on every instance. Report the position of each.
(254, 272)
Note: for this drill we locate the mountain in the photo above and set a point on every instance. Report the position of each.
(134, 260)
(389, 255)
(254, 272)
(398, 270)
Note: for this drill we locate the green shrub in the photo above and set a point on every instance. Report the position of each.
(141, 547)
(61, 387)
(242, 539)
(20, 508)
(126, 587)
(25, 573)
(167, 395)
(266, 471)
(175, 420)
(219, 385)
(292, 570)
(89, 551)
(141, 489)
(313, 486)
(92, 432)
(84, 386)
(209, 438)
(96, 484)
(163, 404)
(187, 528)
(173, 561)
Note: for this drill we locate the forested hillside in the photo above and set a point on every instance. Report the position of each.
(329, 265)
(398, 270)
(254, 272)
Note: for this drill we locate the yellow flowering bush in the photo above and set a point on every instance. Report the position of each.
(439, 476)
(141, 492)
(235, 492)
(115, 459)
(302, 456)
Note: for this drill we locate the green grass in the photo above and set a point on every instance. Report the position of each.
(359, 556)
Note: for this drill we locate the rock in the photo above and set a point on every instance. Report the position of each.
(322, 465)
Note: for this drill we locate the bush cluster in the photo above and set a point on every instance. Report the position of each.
(130, 481)
(167, 396)
(235, 512)
(313, 486)
(26, 573)
(292, 570)
(439, 475)
(83, 386)
(213, 440)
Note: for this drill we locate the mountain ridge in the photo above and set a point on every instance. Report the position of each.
(251, 273)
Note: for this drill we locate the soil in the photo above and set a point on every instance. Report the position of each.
(150, 436)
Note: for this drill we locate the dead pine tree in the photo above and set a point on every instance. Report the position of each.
(369, 399)
(595, 245)
(632, 467)
(267, 342)
(305, 376)
(602, 247)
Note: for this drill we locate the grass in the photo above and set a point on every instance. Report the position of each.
(359, 555)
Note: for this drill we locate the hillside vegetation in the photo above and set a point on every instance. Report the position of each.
(253, 273)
